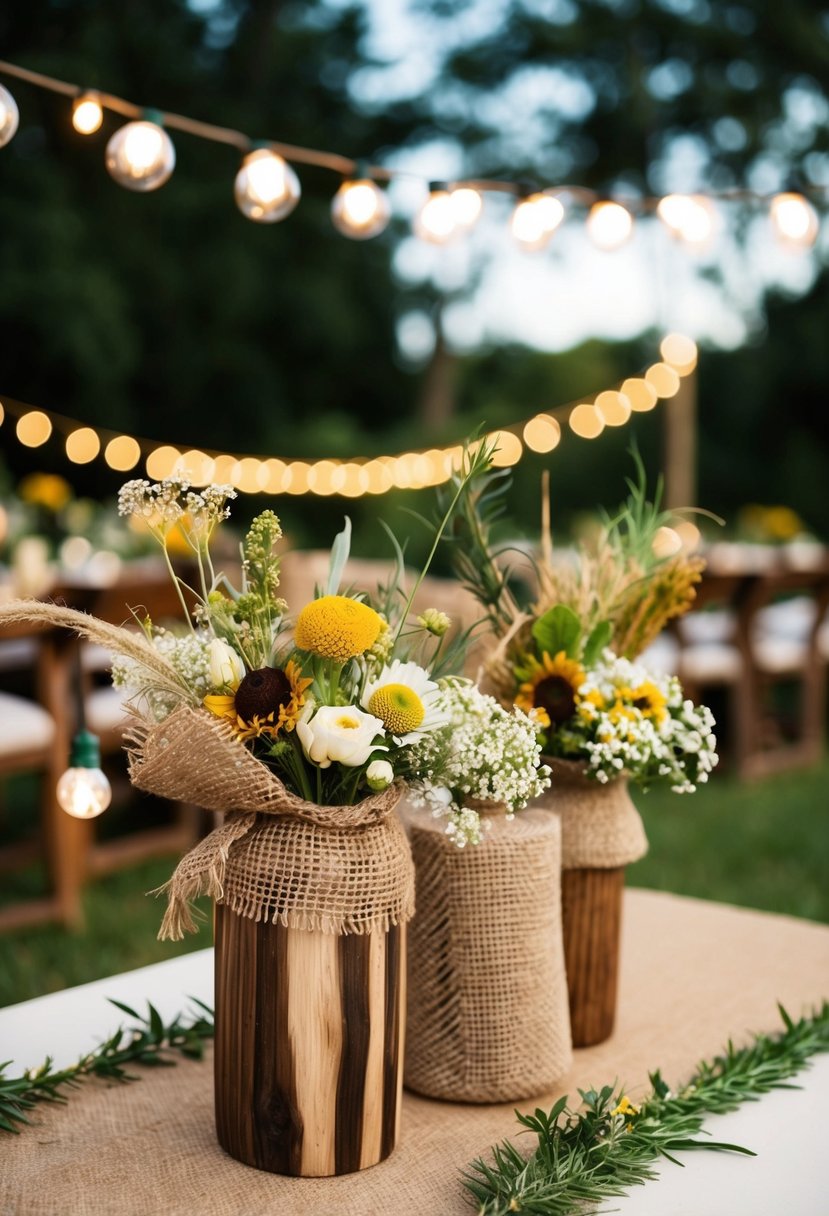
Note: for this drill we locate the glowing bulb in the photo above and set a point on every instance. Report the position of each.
(689, 217)
(467, 205)
(542, 433)
(614, 407)
(161, 462)
(666, 543)
(795, 220)
(509, 449)
(140, 156)
(83, 791)
(360, 209)
(87, 114)
(664, 379)
(9, 117)
(609, 225)
(122, 453)
(82, 445)
(641, 395)
(689, 534)
(436, 221)
(586, 421)
(266, 188)
(33, 428)
(680, 352)
(535, 219)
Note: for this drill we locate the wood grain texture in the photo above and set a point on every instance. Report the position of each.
(592, 920)
(308, 1056)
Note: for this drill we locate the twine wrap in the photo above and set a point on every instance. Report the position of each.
(335, 869)
(600, 826)
(487, 1009)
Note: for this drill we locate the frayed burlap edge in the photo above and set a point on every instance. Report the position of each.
(600, 826)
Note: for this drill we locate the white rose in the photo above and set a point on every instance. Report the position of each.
(379, 775)
(227, 668)
(340, 733)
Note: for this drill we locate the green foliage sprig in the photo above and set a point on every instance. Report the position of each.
(151, 1042)
(585, 1157)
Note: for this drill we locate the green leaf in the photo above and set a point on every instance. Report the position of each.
(339, 556)
(558, 629)
(599, 638)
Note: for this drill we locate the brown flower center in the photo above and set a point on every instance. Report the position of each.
(555, 695)
(262, 692)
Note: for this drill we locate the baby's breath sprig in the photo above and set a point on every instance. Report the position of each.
(585, 1157)
(151, 1042)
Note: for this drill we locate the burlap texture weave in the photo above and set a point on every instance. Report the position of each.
(488, 1017)
(600, 826)
(337, 869)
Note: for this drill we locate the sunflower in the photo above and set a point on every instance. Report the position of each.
(552, 685)
(650, 701)
(337, 627)
(266, 701)
(405, 700)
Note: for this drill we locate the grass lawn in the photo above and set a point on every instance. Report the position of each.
(762, 846)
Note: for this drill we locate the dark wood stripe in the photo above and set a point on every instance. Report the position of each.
(277, 1121)
(235, 1063)
(391, 1054)
(591, 916)
(354, 950)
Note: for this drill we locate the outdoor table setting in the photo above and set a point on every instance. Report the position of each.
(414, 608)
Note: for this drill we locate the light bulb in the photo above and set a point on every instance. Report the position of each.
(467, 205)
(360, 209)
(609, 225)
(140, 156)
(9, 116)
(666, 543)
(83, 791)
(437, 222)
(87, 114)
(795, 220)
(266, 188)
(689, 217)
(535, 219)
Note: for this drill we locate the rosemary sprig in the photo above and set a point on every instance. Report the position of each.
(151, 1042)
(598, 1152)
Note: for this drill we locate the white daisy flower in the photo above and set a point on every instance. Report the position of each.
(406, 701)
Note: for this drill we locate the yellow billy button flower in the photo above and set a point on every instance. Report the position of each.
(399, 708)
(337, 627)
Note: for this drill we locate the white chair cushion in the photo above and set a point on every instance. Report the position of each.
(95, 658)
(662, 656)
(105, 710)
(778, 655)
(792, 618)
(704, 628)
(24, 726)
(18, 652)
(710, 664)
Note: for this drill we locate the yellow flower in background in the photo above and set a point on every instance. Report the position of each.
(625, 1107)
(45, 490)
(553, 686)
(337, 627)
(651, 701)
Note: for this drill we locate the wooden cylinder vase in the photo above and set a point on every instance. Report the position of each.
(601, 833)
(308, 1046)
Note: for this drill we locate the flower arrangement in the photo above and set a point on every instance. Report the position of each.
(569, 659)
(344, 699)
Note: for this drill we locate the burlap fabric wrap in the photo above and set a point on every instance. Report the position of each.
(276, 858)
(487, 995)
(600, 826)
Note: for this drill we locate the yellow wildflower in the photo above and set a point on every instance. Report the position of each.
(553, 686)
(337, 627)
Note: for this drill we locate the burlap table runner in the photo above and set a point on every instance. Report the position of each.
(600, 826)
(488, 1019)
(693, 973)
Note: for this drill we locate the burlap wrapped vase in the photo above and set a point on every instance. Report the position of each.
(601, 833)
(311, 911)
(487, 997)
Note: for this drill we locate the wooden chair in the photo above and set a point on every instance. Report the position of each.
(35, 738)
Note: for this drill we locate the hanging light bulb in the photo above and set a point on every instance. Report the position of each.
(467, 206)
(83, 791)
(609, 224)
(794, 219)
(436, 221)
(87, 113)
(360, 209)
(689, 217)
(140, 155)
(9, 116)
(266, 188)
(535, 219)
